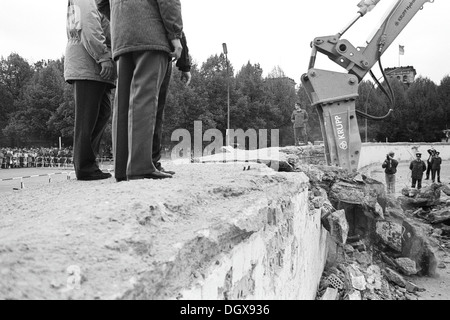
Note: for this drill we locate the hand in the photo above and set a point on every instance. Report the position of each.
(186, 77)
(107, 70)
(176, 54)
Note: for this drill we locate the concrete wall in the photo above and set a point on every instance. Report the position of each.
(283, 260)
(376, 152)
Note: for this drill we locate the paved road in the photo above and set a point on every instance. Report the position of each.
(44, 176)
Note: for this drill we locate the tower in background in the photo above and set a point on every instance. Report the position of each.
(403, 74)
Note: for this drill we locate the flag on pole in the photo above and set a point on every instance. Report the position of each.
(401, 50)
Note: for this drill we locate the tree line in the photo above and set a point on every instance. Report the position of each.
(36, 104)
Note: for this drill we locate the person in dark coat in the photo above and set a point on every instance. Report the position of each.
(436, 167)
(184, 66)
(146, 38)
(390, 169)
(429, 160)
(417, 167)
(299, 118)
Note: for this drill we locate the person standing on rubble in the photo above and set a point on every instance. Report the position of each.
(299, 118)
(429, 162)
(390, 169)
(436, 167)
(417, 167)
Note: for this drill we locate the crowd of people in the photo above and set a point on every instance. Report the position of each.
(40, 157)
(418, 168)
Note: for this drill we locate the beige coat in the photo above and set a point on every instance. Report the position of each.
(89, 42)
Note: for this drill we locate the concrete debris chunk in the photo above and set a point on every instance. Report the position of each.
(411, 287)
(373, 277)
(409, 296)
(379, 210)
(358, 178)
(425, 197)
(363, 258)
(406, 266)
(349, 249)
(330, 294)
(440, 216)
(359, 245)
(338, 226)
(394, 277)
(390, 233)
(355, 295)
(335, 282)
(358, 282)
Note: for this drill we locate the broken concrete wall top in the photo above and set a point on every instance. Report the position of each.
(115, 233)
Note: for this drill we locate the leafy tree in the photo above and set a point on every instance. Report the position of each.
(443, 92)
(371, 102)
(425, 114)
(15, 73)
(40, 99)
(6, 105)
(214, 86)
(61, 122)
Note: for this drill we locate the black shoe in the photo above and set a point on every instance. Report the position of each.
(167, 171)
(121, 179)
(153, 175)
(96, 175)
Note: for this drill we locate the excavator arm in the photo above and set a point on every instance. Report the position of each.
(334, 94)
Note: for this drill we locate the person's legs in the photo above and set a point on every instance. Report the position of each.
(419, 184)
(390, 183)
(438, 171)
(304, 135)
(88, 99)
(428, 171)
(433, 175)
(386, 177)
(102, 120)
(157, 136)
(413, 184)
(296, 136)
(125, 69)
(149, 73)
(393, 184)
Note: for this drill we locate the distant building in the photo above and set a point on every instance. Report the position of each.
(286, 80)
(403, 74)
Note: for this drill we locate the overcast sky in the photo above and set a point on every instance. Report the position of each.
(271, 33)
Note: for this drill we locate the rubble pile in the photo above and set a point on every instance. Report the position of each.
(376, 246)
(309, 154)
(435, 215)
(362, 272)
(376, 241)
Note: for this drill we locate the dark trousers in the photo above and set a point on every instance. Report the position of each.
(140, 77)
(418, 181)
(428, 171)
(92, 113)
(434, 173)
(390, 183)
(300, 135)
(157, 135)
